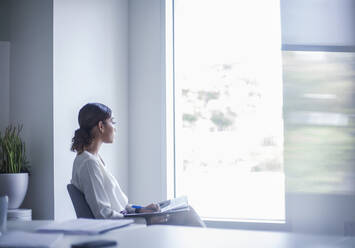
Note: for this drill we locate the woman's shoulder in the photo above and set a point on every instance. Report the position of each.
(87, 159)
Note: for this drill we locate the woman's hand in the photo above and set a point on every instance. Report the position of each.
(153, 207)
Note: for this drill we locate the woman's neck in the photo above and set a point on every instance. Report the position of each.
(94, 147)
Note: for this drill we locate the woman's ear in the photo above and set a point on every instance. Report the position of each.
(100, 126)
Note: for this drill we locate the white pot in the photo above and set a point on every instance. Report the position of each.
(14, 185)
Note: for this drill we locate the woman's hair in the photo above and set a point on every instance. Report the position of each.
(89, 116)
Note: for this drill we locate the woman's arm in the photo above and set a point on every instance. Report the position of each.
(153, 207)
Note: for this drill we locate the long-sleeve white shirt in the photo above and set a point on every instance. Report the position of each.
(100, 187)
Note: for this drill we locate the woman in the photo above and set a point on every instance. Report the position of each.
(90, 175)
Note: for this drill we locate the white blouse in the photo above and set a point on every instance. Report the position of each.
(100, 187)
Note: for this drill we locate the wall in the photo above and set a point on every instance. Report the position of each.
(4, 84)
(4, 20)
(146, 98)
(31, 95)
(318, 22)
(90, 65)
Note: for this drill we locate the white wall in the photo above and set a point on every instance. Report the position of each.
(146, 97)
(320, 213)
(318, 22)
(4, 84)
(90, 65)
(31, 96)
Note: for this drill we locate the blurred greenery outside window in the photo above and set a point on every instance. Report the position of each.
(319, 111)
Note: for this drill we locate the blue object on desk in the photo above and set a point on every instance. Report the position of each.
(137, 208)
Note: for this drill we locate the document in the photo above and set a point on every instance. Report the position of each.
(174, 204)
(179, 204)
(85, 226)
(20, 239)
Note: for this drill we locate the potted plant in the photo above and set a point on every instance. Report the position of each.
(14, 170)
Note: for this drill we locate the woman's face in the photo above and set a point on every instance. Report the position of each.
(109, 130)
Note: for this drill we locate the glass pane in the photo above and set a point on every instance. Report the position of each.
(228, 108)
(319, 93)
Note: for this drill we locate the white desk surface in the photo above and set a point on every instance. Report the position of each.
(159, 236)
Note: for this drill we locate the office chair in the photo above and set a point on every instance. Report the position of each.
(80, 204)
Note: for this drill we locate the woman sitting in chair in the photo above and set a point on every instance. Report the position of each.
(100, 188)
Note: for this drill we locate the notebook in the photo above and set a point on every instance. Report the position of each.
(85, 226)
(179, 204)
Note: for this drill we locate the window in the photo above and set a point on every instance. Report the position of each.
(319, 113)
(229, 130)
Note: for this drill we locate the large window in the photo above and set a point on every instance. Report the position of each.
(229, 130)
(251, 121)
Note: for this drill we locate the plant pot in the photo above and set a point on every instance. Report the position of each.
(14, 185)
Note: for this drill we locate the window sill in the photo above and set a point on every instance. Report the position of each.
(264, 225)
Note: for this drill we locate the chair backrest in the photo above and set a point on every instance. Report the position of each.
(80, 204)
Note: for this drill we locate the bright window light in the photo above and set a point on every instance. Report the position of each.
(228, 108)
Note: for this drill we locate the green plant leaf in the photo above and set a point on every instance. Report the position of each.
(12, 151)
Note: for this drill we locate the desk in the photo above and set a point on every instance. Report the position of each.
(160, 236)
(67, 240)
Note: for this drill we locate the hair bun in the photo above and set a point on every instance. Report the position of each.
(81, 139)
